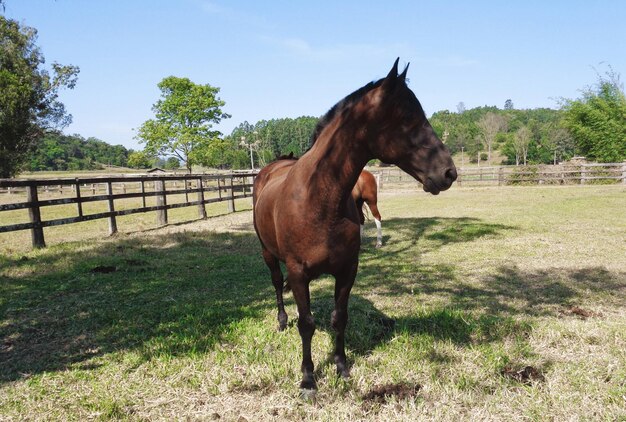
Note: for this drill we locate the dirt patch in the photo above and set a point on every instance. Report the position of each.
(103, 269)
(401, 391)
(580, 312)
(527, 375)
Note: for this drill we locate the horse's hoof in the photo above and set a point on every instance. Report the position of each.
(343, 371)
(308, 394)
(282, 322)
(308, 383)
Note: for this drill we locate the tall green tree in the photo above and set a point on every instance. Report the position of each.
(29, 104)
(184, 119)
(597, 121)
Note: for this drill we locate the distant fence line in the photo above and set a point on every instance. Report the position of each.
(80, 191)
(228, 187)
(560, 174)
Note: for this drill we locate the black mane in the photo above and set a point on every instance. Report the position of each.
(341, 106)
(289, 156)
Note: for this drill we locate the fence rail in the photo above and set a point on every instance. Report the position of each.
(562, 174)
(229, 187)
(82, 191)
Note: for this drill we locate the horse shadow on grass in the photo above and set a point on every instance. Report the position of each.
(441, 305)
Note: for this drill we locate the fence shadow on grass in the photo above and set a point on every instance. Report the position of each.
(160, 294)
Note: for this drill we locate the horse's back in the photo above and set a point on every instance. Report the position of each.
(271, 171)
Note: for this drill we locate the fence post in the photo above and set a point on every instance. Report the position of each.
(112, 221)
(379, 181)
(500, 175)
(231, 201)
(583, 174)
(161, 201)
(35, 217)
(624, 172)
(201, 208)
(143, 193)
(79, 202)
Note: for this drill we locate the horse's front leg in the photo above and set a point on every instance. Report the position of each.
(299, 284)
(339, 317)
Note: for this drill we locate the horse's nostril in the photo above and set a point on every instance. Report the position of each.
(451, 174)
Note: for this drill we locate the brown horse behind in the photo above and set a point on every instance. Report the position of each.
(366, 192)
(304, 214)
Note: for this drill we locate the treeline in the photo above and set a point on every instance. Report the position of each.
(265, 140)
(56, 151)
(521, 136)
(478, 133)
(592, 126)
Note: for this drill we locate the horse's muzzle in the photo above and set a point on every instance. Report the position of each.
(434, 186)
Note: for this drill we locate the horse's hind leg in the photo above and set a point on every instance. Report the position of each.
(339, 317)
(377, 219)
(277, 280)
(359, 208)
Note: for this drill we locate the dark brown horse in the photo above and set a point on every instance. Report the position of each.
(366, 192)
(304, 213)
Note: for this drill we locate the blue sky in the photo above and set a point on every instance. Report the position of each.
(274, 59)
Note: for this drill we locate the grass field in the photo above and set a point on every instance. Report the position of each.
(483, 304)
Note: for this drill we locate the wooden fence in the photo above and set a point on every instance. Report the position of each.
(228, 187)
(561, 174)
(206, 188)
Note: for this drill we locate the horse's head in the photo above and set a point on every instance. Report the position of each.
(406, 138)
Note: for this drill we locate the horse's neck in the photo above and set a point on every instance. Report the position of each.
(333, 165)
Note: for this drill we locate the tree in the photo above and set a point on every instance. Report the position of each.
(521, 141)
(29, 102)
(140, 160)
(172, 163)
(490, 125)
(184, 117)
(508, 104)
(597, 121)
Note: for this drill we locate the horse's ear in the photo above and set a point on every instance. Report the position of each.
(392, 76)
(393, 73)
(402, 76)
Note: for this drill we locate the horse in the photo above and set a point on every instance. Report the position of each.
(303, 211)
(366, 191)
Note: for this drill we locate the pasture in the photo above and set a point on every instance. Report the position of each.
(483, 304)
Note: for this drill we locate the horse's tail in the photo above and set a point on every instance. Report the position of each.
(366, 214)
